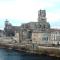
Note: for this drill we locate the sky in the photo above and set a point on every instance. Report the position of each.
(23, 11)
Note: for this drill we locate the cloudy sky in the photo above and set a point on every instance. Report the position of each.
(23, 11)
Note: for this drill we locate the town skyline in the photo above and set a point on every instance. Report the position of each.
(18, 12)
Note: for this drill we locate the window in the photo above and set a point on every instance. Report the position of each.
(45, 38)
(44, 26)
(40, 26)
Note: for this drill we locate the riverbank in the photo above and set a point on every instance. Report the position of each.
(41, 50)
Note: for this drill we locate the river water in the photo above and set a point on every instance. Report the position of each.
(13, 55)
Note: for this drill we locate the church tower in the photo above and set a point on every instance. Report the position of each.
(41, 16)
(43, 25)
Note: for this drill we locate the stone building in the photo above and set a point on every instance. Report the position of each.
(26, 31)
(55, 36)
(9, 30)
(41, 25)
(1, 33)
(37, 32)
(42, 15)
(41, 37)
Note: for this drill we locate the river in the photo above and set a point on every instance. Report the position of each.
(14, 55)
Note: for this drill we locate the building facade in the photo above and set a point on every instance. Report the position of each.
(1, 33)
(9, 30)
(41, 25)
(37, 32)
(55, 36)
(41, 37)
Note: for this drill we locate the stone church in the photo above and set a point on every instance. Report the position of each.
(27, 30)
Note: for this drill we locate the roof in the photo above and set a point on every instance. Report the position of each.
(40, 31)
(52, 30)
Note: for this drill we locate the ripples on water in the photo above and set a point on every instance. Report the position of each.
(13, 55)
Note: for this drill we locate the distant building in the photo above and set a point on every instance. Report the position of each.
(9, 31)
(40, 37)
(55, 36)
(1, 33)
(36, 32)
(41, 25)
(42, 15)
(42, 21)
(16, 28)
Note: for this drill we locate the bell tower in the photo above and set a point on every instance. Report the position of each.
(41, 15)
